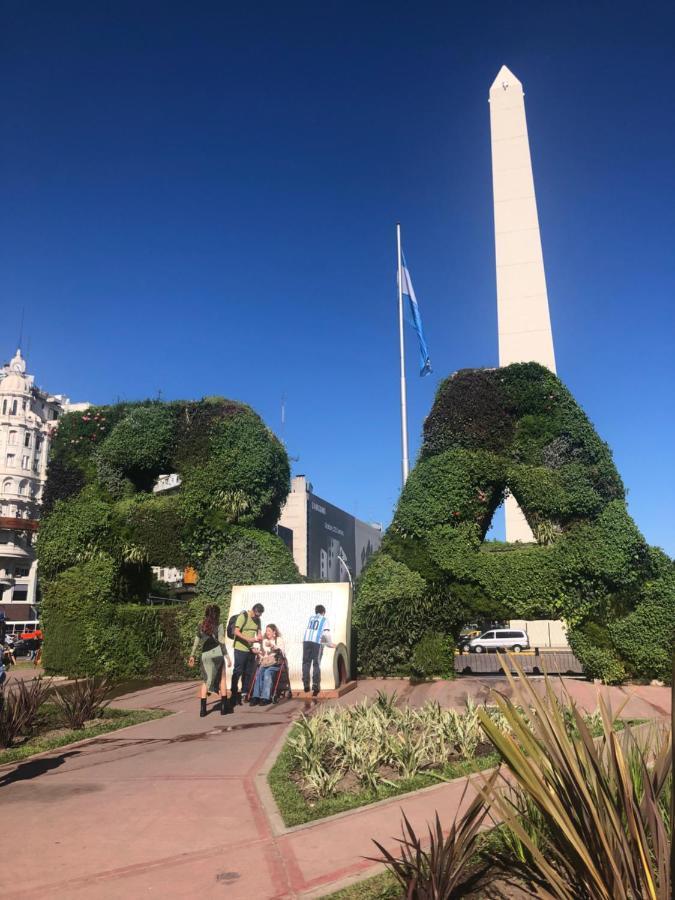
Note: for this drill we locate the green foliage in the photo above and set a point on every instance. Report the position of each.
(246, 556)
(433, 656)
(104, 529)
(394, 610)
(518, 430)
(596, 654)
(154, 524)
(70, 604)
(645, 637)
(140, 445)
(243, 456)
(76, 530)
(90, 635)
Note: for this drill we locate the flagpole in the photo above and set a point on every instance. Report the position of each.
(404, 408)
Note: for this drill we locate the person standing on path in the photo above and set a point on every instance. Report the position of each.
(316, 637)
(246, 633)
(214, 659)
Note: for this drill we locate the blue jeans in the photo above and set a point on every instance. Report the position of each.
(264, 681)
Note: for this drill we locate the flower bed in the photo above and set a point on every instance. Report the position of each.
(344, 757)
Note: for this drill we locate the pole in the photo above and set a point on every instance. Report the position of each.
(404, 409)
(346, 568)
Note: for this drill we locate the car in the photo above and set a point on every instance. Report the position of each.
(466, 634)
(500, 639)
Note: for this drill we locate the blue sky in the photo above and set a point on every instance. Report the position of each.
(201, 199)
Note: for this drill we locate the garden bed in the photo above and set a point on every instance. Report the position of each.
(49, 733)
(342, 758)
(345, 757)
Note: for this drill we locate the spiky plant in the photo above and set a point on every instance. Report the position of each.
(601, 832)
(83, 700)
(437, 871)
(20, 702)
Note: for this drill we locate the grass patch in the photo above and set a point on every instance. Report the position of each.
(296, 810)
(379, 887)
(51, 735)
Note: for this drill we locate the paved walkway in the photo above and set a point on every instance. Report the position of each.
(177, 807)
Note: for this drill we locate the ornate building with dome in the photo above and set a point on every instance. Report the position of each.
(28, 417)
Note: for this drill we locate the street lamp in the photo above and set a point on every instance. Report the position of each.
(346, 568)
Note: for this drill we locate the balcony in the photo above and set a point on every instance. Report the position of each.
(14, 551)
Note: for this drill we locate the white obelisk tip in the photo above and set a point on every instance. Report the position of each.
(506, 83)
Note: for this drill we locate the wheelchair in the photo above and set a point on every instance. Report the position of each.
(281, 688)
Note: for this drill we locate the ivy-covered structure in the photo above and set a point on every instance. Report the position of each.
(516, 429)
(103, 528)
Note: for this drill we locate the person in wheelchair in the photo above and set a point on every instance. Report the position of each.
(270, 661)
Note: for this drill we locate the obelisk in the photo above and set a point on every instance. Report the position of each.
(524, 324)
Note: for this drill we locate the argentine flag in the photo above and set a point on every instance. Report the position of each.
(414, 317)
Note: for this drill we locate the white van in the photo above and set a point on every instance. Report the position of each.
(500, 640)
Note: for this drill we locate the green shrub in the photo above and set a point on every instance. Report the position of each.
(69, 607)
(140, 446)
(599, 660)
(433, 656)
(645, 638)
(87, 634)
(518, 430)
(395, 609)
(104, 529)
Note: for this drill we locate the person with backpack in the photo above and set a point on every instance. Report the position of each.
(214, 658)
(246, 633)
(316, 637)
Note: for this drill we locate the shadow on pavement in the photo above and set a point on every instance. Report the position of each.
(34, 767)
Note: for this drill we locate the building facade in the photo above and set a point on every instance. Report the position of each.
(328, 544)
(28, 418)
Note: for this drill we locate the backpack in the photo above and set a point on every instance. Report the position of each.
(232, 623)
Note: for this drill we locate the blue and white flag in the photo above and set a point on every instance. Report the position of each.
(415, 319)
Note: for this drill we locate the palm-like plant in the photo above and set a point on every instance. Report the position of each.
(603, 831)
(19, 705)
(83, 700)
(439, 871)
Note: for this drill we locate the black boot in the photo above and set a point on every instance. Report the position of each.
(202, 708)
(225, 707)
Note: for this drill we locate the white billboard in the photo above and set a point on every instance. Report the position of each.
(289, 606)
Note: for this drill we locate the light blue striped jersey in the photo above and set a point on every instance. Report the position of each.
(317, 629)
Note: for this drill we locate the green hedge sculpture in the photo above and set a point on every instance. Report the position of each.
(516, 429)
(103, 528)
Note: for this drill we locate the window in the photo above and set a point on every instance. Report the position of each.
(12, 437)
(11, 460)
(25, 462)
(21, 573)
(4, 406)
(13, 407)
(489, 636)
(503, 634)
(27, 439)
(7, 486)
(38, 443)
(22, 487)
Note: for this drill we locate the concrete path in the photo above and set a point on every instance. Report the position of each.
(177, 807)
